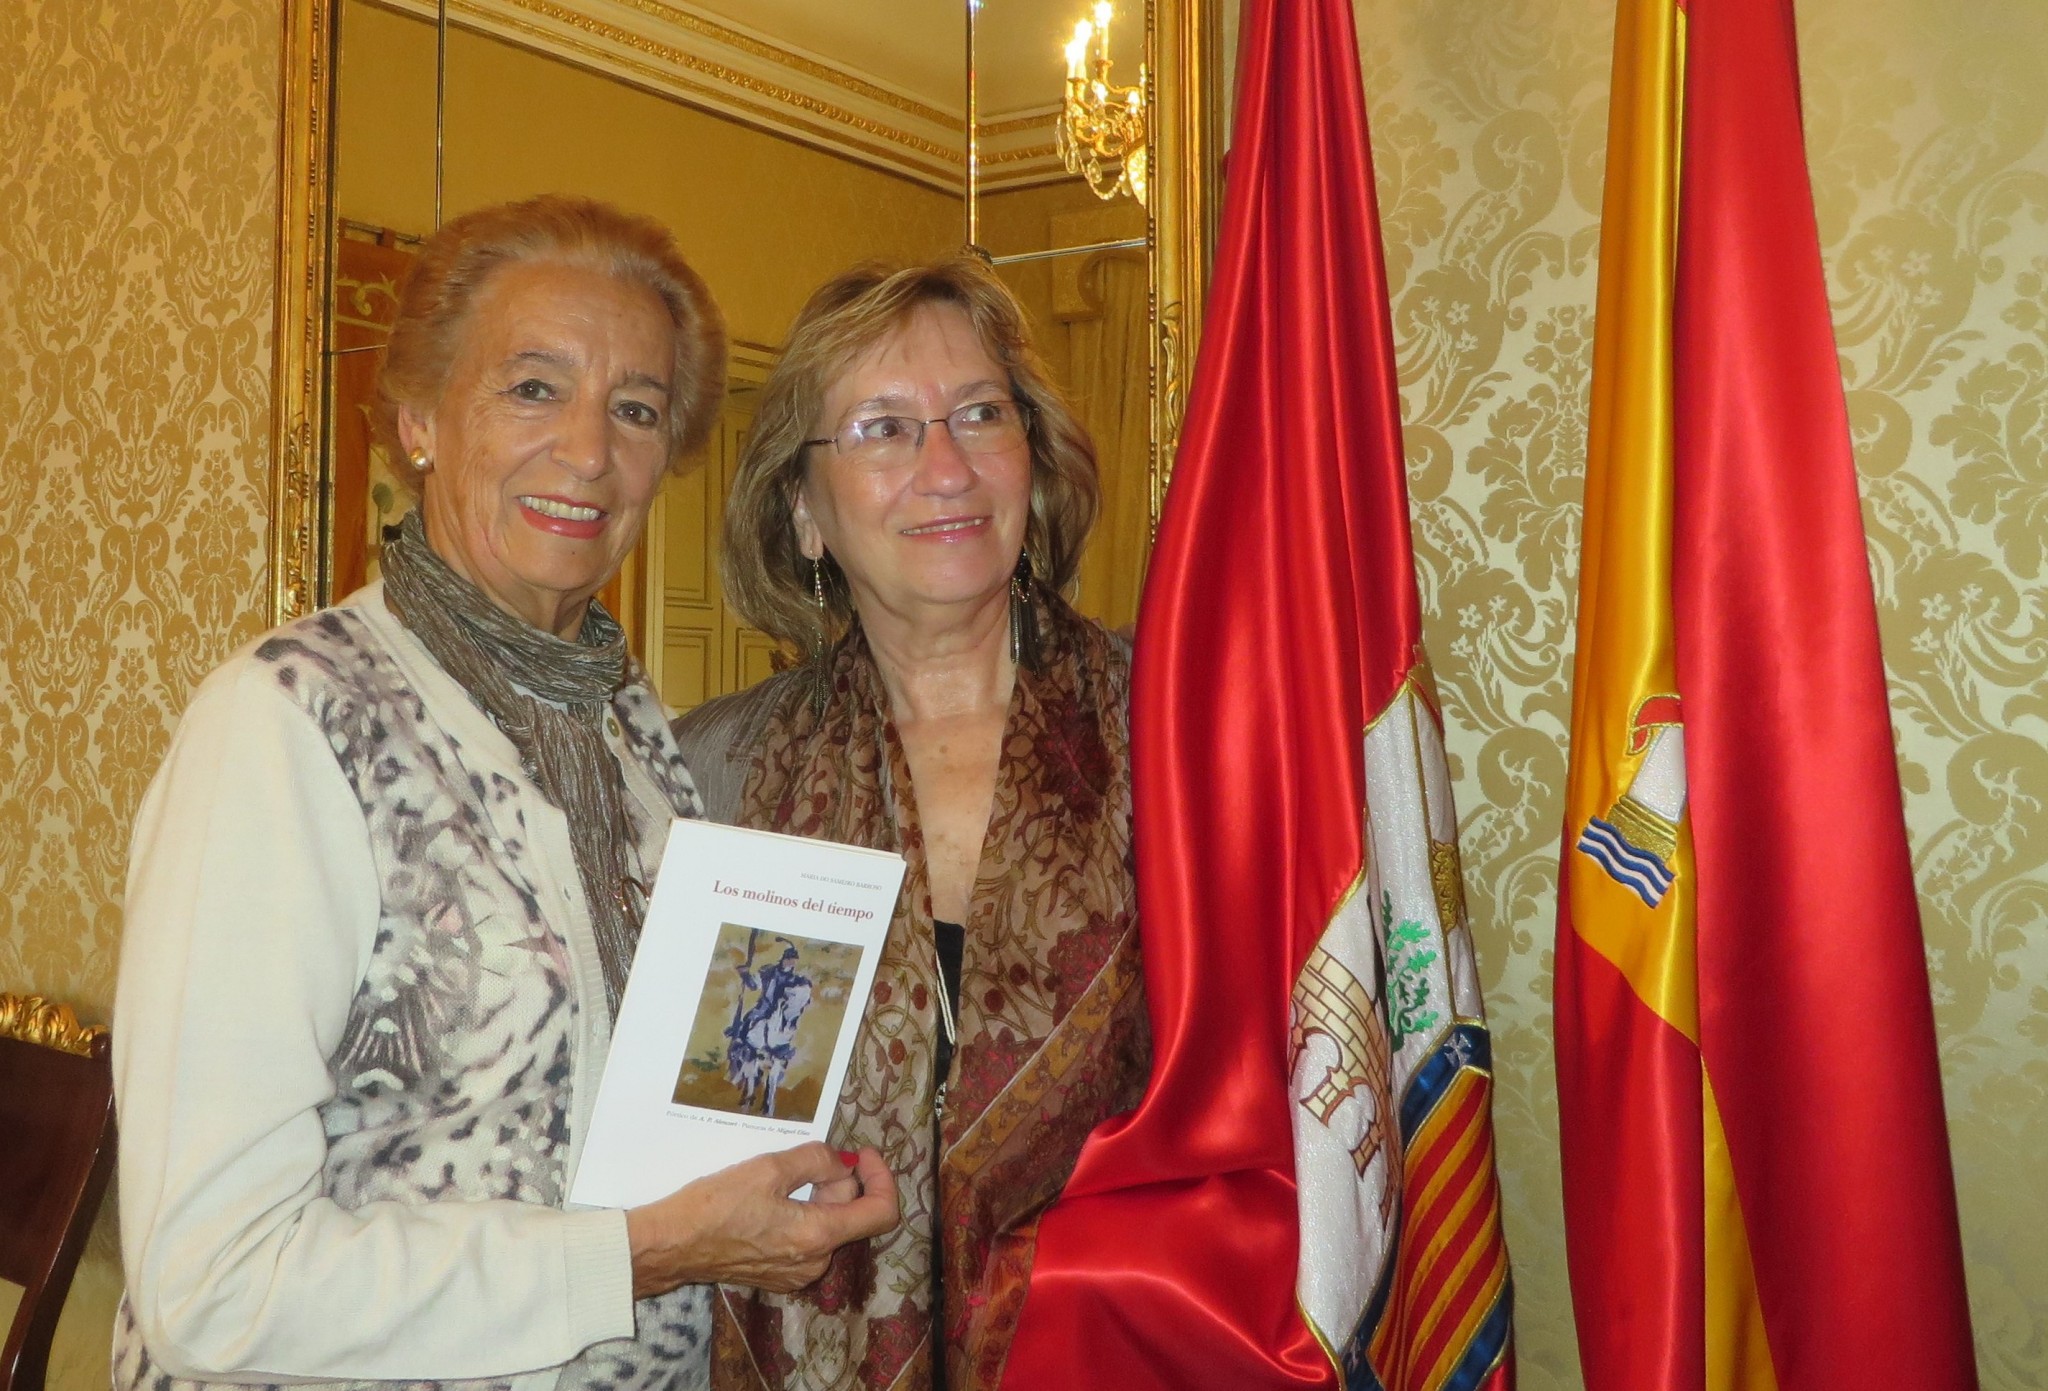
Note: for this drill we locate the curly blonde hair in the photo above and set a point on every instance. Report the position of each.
(767, 578)
(458, 261)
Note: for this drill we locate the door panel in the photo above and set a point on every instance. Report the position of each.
(704, 649)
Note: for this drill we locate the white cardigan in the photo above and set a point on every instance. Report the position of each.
(359, 1026)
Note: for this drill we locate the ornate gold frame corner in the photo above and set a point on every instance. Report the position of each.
(33, 1019)
(305, 222)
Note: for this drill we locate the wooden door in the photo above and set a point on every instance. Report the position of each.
(695, 647)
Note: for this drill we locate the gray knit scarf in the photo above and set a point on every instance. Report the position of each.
(559, 735)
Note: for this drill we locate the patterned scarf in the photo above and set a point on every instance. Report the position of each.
(554, 716)
(1053, 1033)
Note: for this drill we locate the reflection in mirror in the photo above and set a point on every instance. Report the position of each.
(1091, 316)
(781, 141)
(1075, 258)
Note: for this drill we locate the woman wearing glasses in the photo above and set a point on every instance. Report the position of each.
(913, 499)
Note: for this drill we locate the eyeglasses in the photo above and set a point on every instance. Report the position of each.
(979, 427)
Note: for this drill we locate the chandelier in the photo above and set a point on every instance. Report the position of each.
(1101, 132)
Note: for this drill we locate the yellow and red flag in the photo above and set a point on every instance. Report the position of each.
(1307, 1196)
(1757, 1182)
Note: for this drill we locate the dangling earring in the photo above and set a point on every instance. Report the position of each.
(419, 460)
(821, 679)
(1023, 616)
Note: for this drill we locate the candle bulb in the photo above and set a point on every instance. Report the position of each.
(1102, 127)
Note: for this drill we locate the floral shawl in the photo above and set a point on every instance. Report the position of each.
(1053, 1030)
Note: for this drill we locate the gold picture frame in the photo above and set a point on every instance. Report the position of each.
(1185, 102)
(305, 221)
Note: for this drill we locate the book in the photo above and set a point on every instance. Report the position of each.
(739, 1016)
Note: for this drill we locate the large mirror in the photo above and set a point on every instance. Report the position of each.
(782, 140)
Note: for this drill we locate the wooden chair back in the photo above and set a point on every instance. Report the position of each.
(56, 1154)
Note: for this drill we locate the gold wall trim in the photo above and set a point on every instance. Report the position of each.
(813, 114)
(1186, 127)
(32, 1019)
(305, 219)
(775, 53)
(683, 58)
(1036, 120)
(763, 85)
(938, 165)
(1021, 154)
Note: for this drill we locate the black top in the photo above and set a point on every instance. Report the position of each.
(952, 943)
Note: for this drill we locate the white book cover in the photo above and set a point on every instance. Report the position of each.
(739, 1016)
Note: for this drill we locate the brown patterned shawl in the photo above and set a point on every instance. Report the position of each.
(1053, 1031)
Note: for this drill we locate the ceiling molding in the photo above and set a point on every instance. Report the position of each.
(1017, 150)
(723, 33)
(678, 51)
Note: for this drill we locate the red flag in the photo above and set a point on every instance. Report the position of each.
(1308, 1189)
(1757, 1182)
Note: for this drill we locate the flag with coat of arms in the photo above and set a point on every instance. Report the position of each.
(1756, 1172)
(1307, 1196)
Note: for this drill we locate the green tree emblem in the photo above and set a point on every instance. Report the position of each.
(1409, 956)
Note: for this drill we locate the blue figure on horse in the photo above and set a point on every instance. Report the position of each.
(761, 1040)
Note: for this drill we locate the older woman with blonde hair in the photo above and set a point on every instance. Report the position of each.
(385, 889)
(913, 498)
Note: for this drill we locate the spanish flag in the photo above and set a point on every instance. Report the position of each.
(1307, 1196)
(1757, 1182)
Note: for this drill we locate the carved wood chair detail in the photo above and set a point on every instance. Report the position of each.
(56, 1154)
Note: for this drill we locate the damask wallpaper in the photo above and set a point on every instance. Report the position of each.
(137, 212)
(1928, 135)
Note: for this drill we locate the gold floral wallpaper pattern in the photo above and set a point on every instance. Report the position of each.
(1928, 137)
(1928, 130)
(137, 215)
